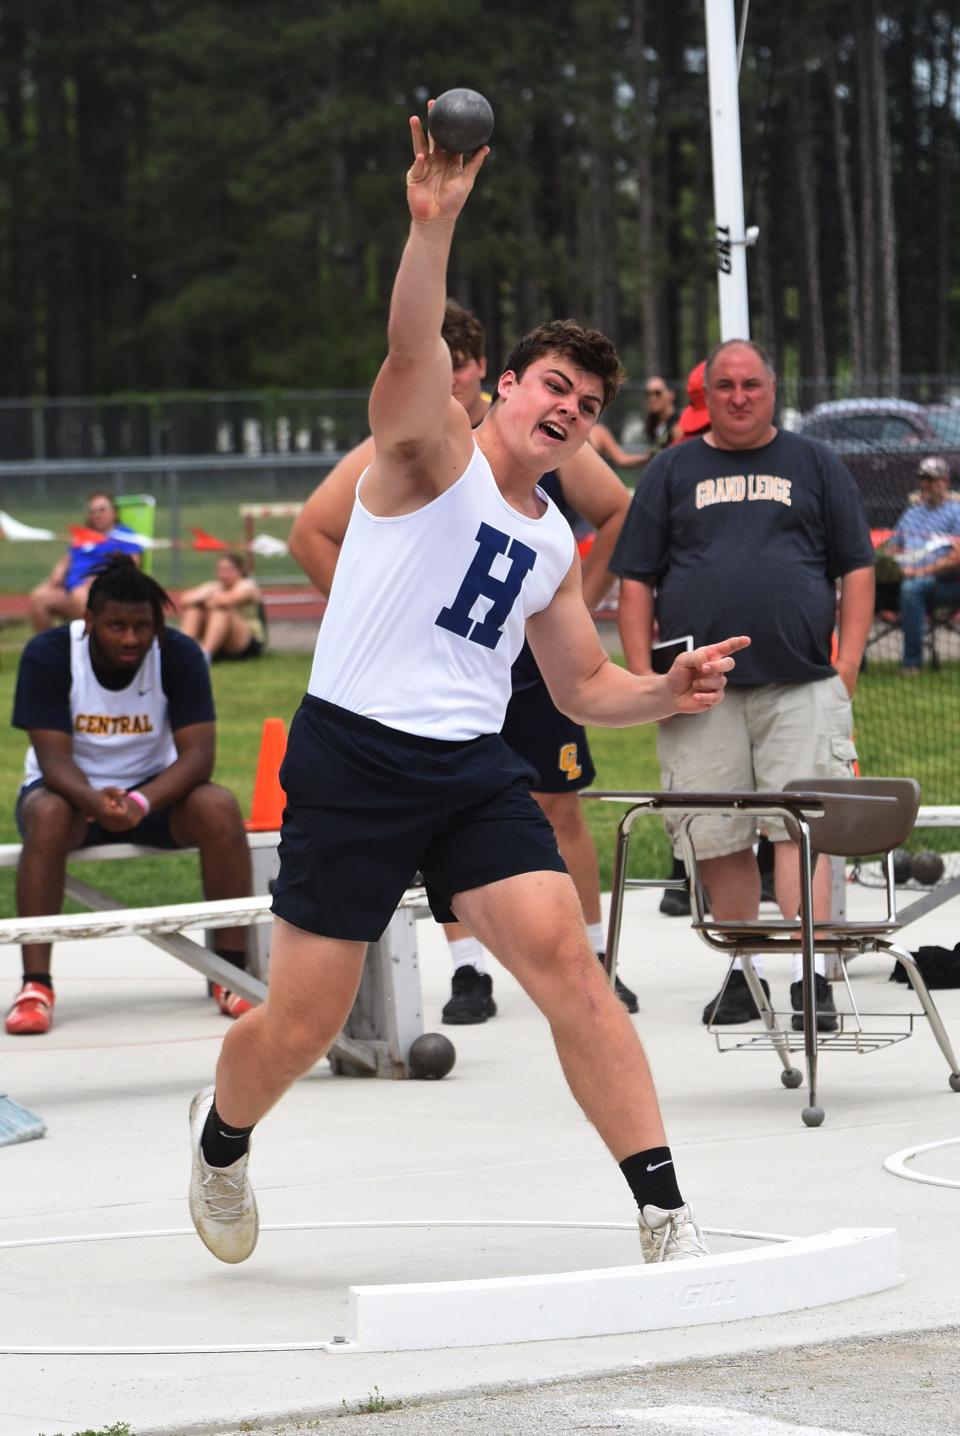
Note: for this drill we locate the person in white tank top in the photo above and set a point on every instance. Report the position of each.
(548, 740)
(122, 744)
(508, 569)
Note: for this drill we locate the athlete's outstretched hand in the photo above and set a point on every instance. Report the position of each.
(697, 679)
(438, 182)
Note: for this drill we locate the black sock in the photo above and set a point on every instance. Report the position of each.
(235, 959)
(652, 1179)
(44, 979)
(221, 1144)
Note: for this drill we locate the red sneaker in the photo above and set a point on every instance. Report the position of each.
(32, 1011)
(230, 1003)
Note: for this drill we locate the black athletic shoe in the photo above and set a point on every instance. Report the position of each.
(628, 998)
(827, 1020)
(675, 902)
(471, 997)
(735, 1004)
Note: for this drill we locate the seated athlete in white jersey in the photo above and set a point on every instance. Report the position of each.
(395, 762)
(121, 722)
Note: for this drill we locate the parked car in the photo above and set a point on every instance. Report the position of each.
(881, 441)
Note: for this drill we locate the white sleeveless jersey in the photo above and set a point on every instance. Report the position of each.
(120, 736)
(427, 610)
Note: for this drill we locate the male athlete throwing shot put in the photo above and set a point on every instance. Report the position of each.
(394, 761)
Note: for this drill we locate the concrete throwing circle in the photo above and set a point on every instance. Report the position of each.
(775, 1274)
(896, 1164)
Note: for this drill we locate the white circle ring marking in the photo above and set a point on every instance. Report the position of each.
(895, 1164)
(229, 1349)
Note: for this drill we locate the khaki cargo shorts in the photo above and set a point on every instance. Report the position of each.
(757, 738)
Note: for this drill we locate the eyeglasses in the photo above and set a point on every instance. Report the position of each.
(654, 393)
(99, 509)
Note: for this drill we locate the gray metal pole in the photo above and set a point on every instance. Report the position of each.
(731, 239)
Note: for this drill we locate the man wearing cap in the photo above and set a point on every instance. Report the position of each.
(927, 538)
(695, 418)
(753, 525)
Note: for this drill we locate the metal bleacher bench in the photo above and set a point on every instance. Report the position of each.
(386, 1017)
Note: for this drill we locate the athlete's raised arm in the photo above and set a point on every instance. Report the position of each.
(422, 435)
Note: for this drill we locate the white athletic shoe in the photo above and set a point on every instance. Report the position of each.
(670, 1235)
(222, 1205)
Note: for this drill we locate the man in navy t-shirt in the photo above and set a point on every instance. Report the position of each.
(120, 716)
(63, 594)
(751, 529)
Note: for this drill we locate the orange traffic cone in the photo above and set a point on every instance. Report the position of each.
(266, 813)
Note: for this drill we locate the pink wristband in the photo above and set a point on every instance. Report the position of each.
(141, 800)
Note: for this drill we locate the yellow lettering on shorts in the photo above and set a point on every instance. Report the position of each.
(569, 761)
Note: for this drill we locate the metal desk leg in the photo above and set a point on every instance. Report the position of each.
(933, 1016)
(812, 1114)
(617, 888)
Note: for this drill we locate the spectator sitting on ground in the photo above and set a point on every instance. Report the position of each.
(927, 539)
(224, 615)
(120, 717)
(63, 594)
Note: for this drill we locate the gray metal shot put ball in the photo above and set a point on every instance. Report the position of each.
(460, 121)
(431, 1055)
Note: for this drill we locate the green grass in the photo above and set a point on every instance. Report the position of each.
(119, 1428)
(903, 728)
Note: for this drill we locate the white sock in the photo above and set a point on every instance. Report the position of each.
(467, 952)
(597, 934)
(819, 962)
(757, 965)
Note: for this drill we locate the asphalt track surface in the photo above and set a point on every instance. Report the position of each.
(890, 1386)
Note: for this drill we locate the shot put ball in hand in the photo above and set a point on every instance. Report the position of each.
(460, 121)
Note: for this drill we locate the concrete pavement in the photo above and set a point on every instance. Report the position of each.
(499, 1138)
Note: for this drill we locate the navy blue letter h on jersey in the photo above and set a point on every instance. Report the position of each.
(479, 581)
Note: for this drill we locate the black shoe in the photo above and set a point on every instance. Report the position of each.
(767, 890)
(827, 1020)
(735, 1003)
(676, 902)
(471, 997)
(628, 998)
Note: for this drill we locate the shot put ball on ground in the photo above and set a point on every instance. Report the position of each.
(431, 1055)
(927, 867)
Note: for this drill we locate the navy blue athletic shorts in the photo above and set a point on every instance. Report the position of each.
(153, 831)
(369, 806)
(554, 746)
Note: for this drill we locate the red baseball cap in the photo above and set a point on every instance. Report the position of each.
(695, 417)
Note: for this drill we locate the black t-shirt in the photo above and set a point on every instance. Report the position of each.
(749, 541)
